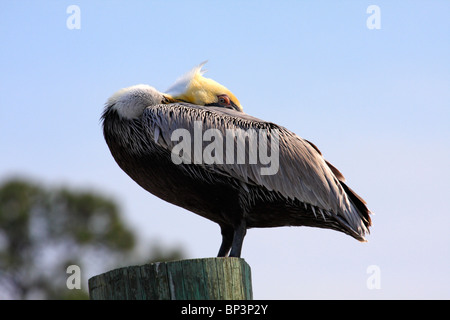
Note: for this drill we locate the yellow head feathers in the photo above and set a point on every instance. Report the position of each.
(194, 88)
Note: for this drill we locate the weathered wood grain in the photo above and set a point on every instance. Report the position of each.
(194, 279)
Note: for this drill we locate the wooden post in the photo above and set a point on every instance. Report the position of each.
(196, 279)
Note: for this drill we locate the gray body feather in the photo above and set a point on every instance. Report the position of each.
(305, 191)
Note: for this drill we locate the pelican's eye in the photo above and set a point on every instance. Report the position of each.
(224, 100)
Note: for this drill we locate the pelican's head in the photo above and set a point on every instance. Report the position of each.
(130, 102)
(196, 89)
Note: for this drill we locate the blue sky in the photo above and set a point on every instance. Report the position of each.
(376, 102)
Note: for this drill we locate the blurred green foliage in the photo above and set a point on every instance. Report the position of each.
(44, 230)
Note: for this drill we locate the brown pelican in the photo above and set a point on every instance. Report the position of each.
(139, 126)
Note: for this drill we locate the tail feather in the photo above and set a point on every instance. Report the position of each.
(360, 204)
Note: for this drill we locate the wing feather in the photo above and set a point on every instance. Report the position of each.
(302, 174)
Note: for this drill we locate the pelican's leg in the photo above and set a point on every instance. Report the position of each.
(238, 239)
(227, 240)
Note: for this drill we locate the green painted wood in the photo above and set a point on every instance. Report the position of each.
(193, 279)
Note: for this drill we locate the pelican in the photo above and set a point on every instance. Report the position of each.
(304, 189)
